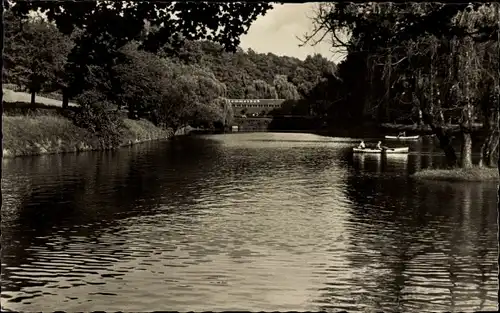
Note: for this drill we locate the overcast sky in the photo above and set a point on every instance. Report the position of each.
(276, 32)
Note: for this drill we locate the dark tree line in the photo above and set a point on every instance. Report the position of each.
(416, 62)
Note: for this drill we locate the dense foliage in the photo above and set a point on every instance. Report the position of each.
(444, 70)
(106, 125)
(181, 81)
(34, 55)
(101, 28)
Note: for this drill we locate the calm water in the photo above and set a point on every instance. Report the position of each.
(247, 221)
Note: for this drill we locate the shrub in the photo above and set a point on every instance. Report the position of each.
(96, 116)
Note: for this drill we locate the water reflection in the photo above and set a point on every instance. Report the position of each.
(374, 162)
(416, 250)
(73, 196)
(252, 222)
(377, 163)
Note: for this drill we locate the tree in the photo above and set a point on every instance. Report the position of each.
(439, 65)
(35, 54)
(140, 79)
(309, 73)
(285, 89)
(168, 22)
(259, 89)
(329, 87)
(225, 110)
(237, 69)
(167, 91)
(206, 90)
(188, 96)
(106, 27)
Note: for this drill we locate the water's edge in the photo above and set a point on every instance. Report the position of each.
(6, 153)
(47, 142)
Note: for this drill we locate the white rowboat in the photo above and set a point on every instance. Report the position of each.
(403, 137)
(386, 151)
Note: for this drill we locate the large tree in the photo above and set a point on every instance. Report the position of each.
(259, 89)
(35, 54)
(171, 93)
(140, 79)
(285, 89)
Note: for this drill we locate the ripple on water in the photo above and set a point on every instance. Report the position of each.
(247, 225)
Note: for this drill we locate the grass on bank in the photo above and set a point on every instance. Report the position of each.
(476, 174)
(35, 134)
(142, 130)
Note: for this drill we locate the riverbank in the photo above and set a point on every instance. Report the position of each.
(476, 174)
(35, 134)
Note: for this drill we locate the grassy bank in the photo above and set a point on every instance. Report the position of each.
(473, 174)
(34, 134)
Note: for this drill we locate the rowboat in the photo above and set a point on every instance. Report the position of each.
(386, 150)
(402, 137)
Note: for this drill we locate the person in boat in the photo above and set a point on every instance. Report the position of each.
(380, 147)
(402, 134)
(361, 145)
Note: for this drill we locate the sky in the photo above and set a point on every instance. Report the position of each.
(276, 32)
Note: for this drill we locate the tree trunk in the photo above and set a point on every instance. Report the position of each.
(485, 146)
(33, 97)
(441, 117)
(493, 151)
(490, 144)
(484, 153)
(491, 126)
(466, 153)
(466, 128)
(65, 101)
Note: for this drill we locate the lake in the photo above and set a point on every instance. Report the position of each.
(249, 221)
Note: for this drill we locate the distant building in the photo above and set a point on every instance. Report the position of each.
(255, 106)
(256, 103)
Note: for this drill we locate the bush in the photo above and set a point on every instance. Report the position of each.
(96, 116)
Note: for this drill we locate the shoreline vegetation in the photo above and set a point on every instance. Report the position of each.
(49, 131)
(41, 129)
(474, 174)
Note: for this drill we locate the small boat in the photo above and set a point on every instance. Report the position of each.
(402, 137)
(385, 150)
